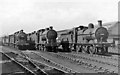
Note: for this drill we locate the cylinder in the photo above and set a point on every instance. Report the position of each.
(100, 23)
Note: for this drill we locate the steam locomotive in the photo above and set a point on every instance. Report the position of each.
(19, 40)
(89, 39)
(47, 39)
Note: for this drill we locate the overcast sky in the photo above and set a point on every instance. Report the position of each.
(31, 15)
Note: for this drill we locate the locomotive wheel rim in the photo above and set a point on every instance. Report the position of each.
(39, 47)
(44, 48)
(78, 48)
(92, 49)
(105, 49)
(84, 49)
(99, 50)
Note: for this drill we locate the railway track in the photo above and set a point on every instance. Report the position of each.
(107, 56)
(67, 67)
(27, 70)
(40, 66)
(113, 59)
(98, 66)
(67, 62)
(75, 62)
(39, 58)
(107, 66)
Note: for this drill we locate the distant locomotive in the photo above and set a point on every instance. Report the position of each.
(22, 42)
(19, 40)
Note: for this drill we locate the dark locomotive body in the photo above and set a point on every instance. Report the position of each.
(46, 40)
(19, 40)
(51, 43)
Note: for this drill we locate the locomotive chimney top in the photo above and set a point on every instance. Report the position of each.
(46, 28)
(51, 27)
(100, 23)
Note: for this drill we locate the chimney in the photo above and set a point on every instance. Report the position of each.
(100, 23)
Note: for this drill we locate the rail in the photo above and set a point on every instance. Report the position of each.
(62, 68)
(19, 64)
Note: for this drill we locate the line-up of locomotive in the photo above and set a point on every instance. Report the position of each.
(91, 39)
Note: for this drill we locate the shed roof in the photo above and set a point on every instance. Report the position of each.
(113, 28)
